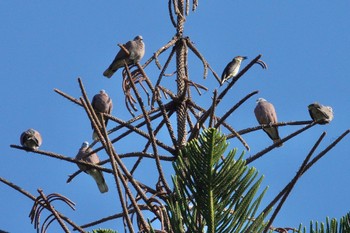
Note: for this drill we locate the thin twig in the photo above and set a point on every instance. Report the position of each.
(308, 166)
(261, 153)
(201, 57)
(212, 113)
(222, 95)
(117, 176)
(62, 157)
(229, 112)
(150, 130)
(248, 130)
(293, 182)
(160, 51)
(53, 211)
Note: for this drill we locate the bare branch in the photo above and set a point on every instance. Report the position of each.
(261, 153)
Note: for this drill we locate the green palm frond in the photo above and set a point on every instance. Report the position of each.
(330, 226)
(213, 194)
(104, 231)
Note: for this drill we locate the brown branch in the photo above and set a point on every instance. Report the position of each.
(62, 157)
(139, 131)
(127, 155)
(159, 127)
(150, 132)
(115, 216)
(124, 49)
(197, 128)
(53, 211)
(261, 153)
(172, 20)
(196, 86)
(212, 113)
(204, 61)
(291, 185)
(167, 62)
(19, 189)
(33, 198)
(74, 100)
(160, 51)
(171, 150)
(229, 112)
(117, 176)
(306, 166)
(222, 95)
(248, 130)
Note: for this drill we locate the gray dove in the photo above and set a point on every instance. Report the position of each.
(320, 113)
(232, 68)
(101, 103)
(136, 49)
(266, 115)
(31, 139)
(93, 158)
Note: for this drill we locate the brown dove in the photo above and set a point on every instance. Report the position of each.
(266, 115)
(31, 139)
(101, 103)
(320, 113)
(136, 50)
(93, 158)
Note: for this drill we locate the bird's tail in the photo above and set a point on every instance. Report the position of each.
(108, 73)
(222, 81)
(94, 135)
(100, 181)
(279, 142)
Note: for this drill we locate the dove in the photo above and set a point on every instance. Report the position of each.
(232, 68)
(136, 50)
(266, 115)
(101, 103)
(320, 113)
(93, 158)
(31, 139)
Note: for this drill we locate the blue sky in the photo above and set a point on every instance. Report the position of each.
(47, 45)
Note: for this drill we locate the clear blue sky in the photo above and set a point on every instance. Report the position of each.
(48, 44)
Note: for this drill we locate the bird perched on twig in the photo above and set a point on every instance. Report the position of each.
(93, 158)
(320, 113)
(232, 68)
(136, 51)
(31, 139)
(101, 103)
(266, 115)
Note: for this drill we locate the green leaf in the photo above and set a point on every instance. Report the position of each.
(212, 194)
(331, 226)
(104, 231)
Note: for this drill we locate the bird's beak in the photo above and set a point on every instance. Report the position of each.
(244, 58)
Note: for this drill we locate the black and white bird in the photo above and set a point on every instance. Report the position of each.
(101, 103)
(136, 50)
(266, 115)
(31, 139)
(320, 113)
(232, 68)
(93, 158)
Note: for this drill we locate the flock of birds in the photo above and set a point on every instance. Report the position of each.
(131, 53)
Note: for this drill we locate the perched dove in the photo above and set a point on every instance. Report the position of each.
(232, 68)
(266, 115)
(31, 139)
(101, 103)
(322, 114)
(93, 158)
(136, 49)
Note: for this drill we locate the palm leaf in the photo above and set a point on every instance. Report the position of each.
(213, 194)
(331, 226)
